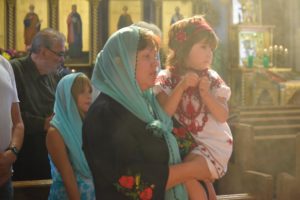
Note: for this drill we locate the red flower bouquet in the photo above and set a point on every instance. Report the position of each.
(126, 182)
(133, 187)
(146, 194)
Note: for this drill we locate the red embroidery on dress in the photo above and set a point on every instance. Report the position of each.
(167, 82)
(229, 141)
(209, 155)
(191, 105)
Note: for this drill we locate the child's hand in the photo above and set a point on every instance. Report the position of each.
(190, 79)
(204, 85)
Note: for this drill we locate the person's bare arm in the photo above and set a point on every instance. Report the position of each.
(194, 168)
(170, 103)
(216, 105)
(57, 150)
(8, 157)
(18, 127)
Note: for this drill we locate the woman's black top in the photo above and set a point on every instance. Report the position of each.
(126, 160)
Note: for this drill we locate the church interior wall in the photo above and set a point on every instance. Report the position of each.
(135, 9)
(168, 9)
(97, 27)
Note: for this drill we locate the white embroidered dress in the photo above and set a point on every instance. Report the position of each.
(214, 139)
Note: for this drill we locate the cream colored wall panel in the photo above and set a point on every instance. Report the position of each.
(135, 9)
(168, 9)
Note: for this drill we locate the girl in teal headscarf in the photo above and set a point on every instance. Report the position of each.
(127, 137)
(71, 176)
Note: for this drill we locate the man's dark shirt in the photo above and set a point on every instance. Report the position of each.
(36, 94)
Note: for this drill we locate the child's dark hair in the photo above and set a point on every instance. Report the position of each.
(183, 35)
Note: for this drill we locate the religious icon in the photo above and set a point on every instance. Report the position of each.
(176, 16)
(32, 25)
(74, 36)
(124, 19)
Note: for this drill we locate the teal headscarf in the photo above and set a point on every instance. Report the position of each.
(69, 124)
(114, 74)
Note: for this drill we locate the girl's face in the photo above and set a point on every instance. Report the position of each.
(84, 99)
(146, 64)
(200, 56)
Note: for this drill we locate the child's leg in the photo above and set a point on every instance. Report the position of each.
(203, 173)
(200, 169)
(211, 191)
(195, 190)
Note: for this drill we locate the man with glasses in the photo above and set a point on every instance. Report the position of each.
(36, 80)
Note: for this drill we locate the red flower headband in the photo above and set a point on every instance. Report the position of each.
(194, 25)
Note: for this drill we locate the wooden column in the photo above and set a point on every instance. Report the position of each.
(53, 14)
(11, 24)
(96, 40)
(293, 37)
(158, 12)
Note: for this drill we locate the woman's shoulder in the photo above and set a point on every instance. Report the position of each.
(107, 109)
(105, 104)
(109, 115)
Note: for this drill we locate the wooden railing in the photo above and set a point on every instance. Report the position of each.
(32, 189)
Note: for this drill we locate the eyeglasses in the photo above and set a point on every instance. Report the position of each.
(59, 54)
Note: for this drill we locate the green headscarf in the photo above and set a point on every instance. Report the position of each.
(114, 74)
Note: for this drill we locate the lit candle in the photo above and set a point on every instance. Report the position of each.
(275, 56)
(280, 48)
(285, 57)
(270, 48)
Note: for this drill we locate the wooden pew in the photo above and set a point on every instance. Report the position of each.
(260, 185)
(239, 168)
(39, 189)
(275, 153)
(269, 154)
(241, 196)
(275, 130)
(266, 115)
(32, 189)
(287, 183)
(262, 135)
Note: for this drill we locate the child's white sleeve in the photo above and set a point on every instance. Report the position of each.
(163, 83)
(222, 90)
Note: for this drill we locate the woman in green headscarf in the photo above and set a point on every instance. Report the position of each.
(127, 138)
